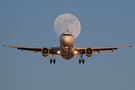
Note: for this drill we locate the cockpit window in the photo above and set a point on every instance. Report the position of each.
(67, 35)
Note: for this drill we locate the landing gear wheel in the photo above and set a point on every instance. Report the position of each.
(83, 61)
(54, 61)
(50, 61)
(79, 61)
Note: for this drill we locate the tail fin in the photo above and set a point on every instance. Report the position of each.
(67, 30)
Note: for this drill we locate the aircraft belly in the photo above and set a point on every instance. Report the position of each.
(67, 56)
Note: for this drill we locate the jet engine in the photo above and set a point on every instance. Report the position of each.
(45, 52)
(89, 52)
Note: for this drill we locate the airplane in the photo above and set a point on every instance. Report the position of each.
(67, 49)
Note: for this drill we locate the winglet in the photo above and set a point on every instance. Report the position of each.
(130, 46)
(4, 45)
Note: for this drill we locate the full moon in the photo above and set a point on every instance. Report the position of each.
(66, 22)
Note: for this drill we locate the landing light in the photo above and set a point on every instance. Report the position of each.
(75, 52)
(58, 52)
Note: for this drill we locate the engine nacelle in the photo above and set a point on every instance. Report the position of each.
(45, 52)
(89, 52)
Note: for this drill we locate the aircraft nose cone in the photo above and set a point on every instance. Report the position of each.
(67, 41)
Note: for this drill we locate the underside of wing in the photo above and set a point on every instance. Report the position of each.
(44, 50)
(98, 49)
(25, 48)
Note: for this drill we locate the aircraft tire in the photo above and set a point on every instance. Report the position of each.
(54, 61)
(79, 61)
(50, 61)
(83, 61)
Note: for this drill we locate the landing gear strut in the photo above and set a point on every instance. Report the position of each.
(52, 60)
(81, 60)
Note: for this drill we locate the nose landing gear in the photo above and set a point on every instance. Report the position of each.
(81, 60)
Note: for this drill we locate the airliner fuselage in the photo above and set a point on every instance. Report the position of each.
(67, 45)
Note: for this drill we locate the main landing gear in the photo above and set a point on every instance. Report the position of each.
(52, 60)
(81, 60)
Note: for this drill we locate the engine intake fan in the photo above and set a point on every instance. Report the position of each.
(45, 52)
(89, 52)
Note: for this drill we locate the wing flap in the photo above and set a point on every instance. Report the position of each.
(30, 49)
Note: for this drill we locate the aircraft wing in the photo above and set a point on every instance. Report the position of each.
(52, 50)
(99, 49)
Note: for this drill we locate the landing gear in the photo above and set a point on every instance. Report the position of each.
(81, 60)
(52, 60)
